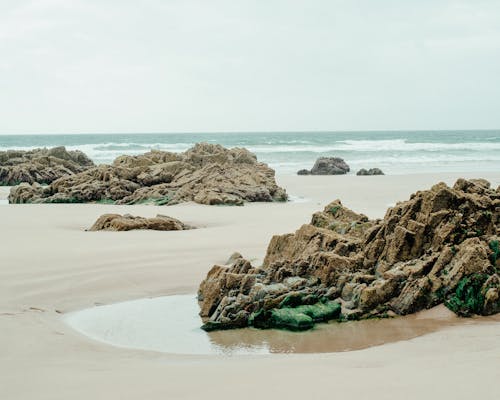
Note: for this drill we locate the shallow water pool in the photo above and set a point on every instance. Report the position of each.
(171, 324)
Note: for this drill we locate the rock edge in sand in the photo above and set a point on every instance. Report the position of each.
(127, 222)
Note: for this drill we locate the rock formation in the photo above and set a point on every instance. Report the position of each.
(206, 174)
(327, 166)
(127, 222)
(440, 246)
(40, 165)
(371, 171)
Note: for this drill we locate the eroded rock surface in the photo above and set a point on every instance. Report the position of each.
(206, 174)
(40, 165)
(440, 246)
(127, 222)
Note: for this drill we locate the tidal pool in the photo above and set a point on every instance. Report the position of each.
(171, 324)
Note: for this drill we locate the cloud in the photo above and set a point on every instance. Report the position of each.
(162, 66)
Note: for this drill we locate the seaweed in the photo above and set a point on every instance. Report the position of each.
(495, 248)
(298, 318)
(468, 298)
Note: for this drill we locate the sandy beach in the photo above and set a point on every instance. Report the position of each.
(51, 266)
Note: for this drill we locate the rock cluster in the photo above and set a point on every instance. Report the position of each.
(371, 171)
(206, 174)
(127, 222)
(440, 246)
(40, 165)
(327, 166)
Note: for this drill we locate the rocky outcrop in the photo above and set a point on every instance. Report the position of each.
(127, 222)
(371, 171)
(40, 165)
(206, 174)
(327, 166)
(440, 246)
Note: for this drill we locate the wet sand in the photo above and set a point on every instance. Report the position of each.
(50, 266)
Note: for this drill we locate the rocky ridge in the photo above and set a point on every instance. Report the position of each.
(40, 165)
(440, 246)
(205, 174)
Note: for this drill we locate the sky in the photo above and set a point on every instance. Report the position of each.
(103, 66)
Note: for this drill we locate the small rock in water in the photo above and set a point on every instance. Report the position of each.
(371, 171)
(327, 166)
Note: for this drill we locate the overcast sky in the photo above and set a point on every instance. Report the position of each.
(69, 66)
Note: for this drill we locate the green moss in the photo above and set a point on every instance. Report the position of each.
(63, 201)
(495, 248)
(162, 201)
(487, 214)
(290, 318)
(105, 201)
(333, 210)
(468, 298)
(297, 318)
(320, 311)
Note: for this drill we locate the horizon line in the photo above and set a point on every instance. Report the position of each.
(252, 132)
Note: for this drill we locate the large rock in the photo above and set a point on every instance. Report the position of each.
(40, 165)
(127, 222)
(327, 166)
(440, 246)
(206, 174)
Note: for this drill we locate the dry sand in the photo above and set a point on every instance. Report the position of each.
(51, 266)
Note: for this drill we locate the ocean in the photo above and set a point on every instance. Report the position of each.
(395, 152)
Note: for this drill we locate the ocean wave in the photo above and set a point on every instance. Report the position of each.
(396, 145)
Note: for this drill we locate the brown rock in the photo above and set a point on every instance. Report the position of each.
(206, 174)
(127, 222)
(439, 246)
(40, 165)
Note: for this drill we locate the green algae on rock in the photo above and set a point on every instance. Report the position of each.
(440, 246)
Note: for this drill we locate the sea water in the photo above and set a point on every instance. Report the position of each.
(395, 152)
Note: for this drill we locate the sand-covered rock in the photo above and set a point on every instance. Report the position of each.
(127, 222)
(440, 246)
(368, 172)
(40, 165)
(206, 174)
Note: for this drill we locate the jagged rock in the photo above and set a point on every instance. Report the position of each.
(233, 258)
(40, 165)
(371, 171)
(205, 174)
(127, 222)
(440, 246)
(327, 166)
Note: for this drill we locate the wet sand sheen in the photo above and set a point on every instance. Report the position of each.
(170, 324)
